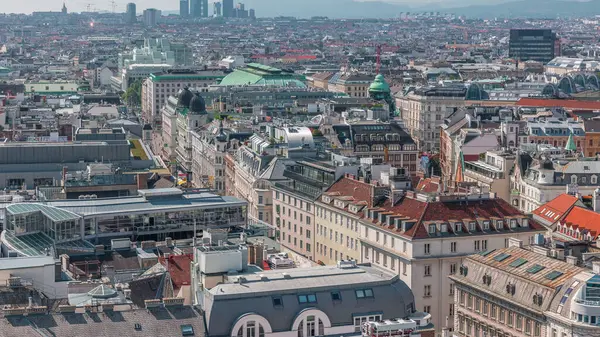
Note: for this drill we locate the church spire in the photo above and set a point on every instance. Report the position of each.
(64, 8)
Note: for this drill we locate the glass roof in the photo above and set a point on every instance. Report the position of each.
(37, 244)
(55, 214)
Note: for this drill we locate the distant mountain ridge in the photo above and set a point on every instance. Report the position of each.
(529, 9)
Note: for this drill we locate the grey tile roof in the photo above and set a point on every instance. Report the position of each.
(162, 323)
(225, 303)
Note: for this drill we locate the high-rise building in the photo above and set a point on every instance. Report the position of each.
(184, 8)
(204, 6)
(532, 44)
(151, 17)
(227, 8)
(217, 8)
(199, 8)
(252, 14)
(131, 16)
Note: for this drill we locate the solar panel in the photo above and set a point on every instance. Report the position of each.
(553, 275)
(535, 268)
(518, 262)
(501, 257)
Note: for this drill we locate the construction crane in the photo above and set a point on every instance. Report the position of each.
(113, 4)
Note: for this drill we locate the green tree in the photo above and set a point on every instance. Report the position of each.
(133, 95)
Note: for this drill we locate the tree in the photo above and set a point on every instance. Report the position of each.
(133, 94)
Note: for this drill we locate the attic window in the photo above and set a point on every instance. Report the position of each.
(432, 229)
(486, 225)
(471, 227)
(187, 330)
(137, 327)
(277, 301)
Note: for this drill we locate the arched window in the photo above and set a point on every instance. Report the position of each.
(251, 325)
(311, 322)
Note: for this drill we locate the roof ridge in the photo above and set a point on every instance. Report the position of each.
(420, 220)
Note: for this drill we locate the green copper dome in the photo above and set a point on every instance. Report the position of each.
(379, 85)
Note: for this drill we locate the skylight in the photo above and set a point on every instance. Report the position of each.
(535, 268)
(518, 262)
(501, 257)
(553, 275)
(487, 252)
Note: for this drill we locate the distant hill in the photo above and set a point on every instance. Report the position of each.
(352, 9)
(338, 9)
(529, 9)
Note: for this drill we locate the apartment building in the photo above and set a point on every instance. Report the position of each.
(535, 184)
(387, 142)
(354, 85)
(209, 147)
(423, 111)
(421, 238)
(157, 88)
(294, 202)
(492, 173)
(518, 292)
(569, 134)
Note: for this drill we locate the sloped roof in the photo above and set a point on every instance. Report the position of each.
(551, 103)
(556, 208)
(584, 219)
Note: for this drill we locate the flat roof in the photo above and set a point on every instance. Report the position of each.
(301, 278)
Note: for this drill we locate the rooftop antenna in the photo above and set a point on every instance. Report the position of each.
(378, 67)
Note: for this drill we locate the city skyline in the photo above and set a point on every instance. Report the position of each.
(29, 6)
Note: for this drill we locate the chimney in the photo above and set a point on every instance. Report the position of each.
(572, 260)
(30, 305)
(142, 181)
(596, 200)
(64, 174)
(513, 242)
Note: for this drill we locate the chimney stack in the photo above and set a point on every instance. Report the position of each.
(142, 181)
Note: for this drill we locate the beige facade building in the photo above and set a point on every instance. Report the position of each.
(422, 238)
(492, 172)
(423, 111)
(514, 292)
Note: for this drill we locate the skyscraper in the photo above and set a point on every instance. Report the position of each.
(131, 16)
(204, 5)
(227, 8)
(151, 17)
(199, 8)
(217, 6)
(184, 8)
(532, 44)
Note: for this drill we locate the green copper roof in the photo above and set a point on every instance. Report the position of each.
(379, 85)
(571, 143)
(258, 74)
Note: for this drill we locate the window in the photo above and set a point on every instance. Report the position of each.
(336, 296)
(477, 246)
(427, 291)
(427, 308)
(462, 298)
(451, 289)
(509, 318)
(519, 324)
(311, 298)
(364, 293)
(187, 330)
(493, 311)
(404, 247)
(485, 308)
(451, 309)
(452, 247)
(427, 249)
(432, 229)
(537, 329)
(484, 244)
(277, 301)
(477, 304)
(453, 268)
(260, 199)
(528, 326)
(427, 270)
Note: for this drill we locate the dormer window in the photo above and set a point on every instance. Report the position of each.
(486, 225)
(471, 226)
(443, 228)
(499, 224)
(432, 229)
(457, 227)
(326, 199)
(513, 223)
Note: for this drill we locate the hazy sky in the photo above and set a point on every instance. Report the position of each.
(28, 6)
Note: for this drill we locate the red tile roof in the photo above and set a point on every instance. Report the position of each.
(429, 185)
(180, 269)
(360, 190)
(583, 218)
(550, 103)
(556, 208)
